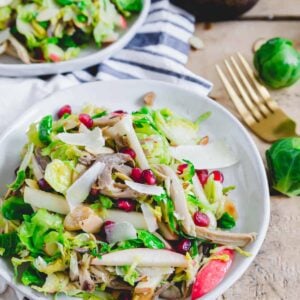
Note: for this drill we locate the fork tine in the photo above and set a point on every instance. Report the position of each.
(243, 93)
(260, 88)
(243, 111)
(250, 89)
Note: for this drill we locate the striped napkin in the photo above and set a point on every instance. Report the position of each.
(159, 51)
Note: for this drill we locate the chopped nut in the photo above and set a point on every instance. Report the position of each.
(230, 208)
(204, 140)
(83, 218)
(149, 98)
(196, 43)
(3, 47)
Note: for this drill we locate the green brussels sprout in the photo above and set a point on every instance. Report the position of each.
(14, 208)
(278, 63)
(283, 160)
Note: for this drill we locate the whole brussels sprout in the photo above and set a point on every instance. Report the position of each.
(283, 160)
(278, 63)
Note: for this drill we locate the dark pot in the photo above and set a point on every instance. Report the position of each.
(215, 10)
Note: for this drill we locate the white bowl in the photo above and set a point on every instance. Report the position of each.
(88, 56)
(251, 194)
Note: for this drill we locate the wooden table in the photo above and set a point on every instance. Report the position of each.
(275, 273)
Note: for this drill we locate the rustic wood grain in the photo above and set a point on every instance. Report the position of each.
(275, 8)
(275, 273)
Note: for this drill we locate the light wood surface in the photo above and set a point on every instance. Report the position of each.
(275, 273)
(275, 8)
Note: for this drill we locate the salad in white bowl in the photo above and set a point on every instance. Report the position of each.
(119, 205)
(57, 30)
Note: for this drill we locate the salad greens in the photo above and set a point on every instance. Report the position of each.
(14, 208)
(283, 160)
(32, 276)
(278, 63)
(226, 221)
(45, 129)
(41, 231)
(100, 206)
(150, 240)
(56, 30)
(8, 244)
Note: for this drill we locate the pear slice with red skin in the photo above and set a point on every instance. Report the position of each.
(211, 274)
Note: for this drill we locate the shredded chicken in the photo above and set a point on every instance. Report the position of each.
(145, 289)
(116, 193)
(74, 269)
(178, 197)
(110, 120)
(124, 169)
(119, 285)
(111, 161)
(125, 128)
(87, 159)
(224, 237)
(101, 275)
(85, 280)
(169, 291)
(118, 162)
(166, 232)
(37, 170)
(42, 160)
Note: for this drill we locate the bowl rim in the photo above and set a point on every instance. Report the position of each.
(48, 68)
(244, 265)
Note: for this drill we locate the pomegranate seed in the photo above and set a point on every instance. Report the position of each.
(148, 177)
(218, 176)
(95, 192)
(44, 185)
(183, 246)
(125, 296)
(102, 230)
(128, 151)
(66, 109)
(201, 219)
(126, 204)
(202, 176)
(86, 120)
(136, 174)
(118, 112)
(181, 168)
(108, 222)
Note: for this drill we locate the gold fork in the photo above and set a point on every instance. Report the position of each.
(254, 103)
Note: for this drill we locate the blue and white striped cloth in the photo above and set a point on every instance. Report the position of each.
(158, 51)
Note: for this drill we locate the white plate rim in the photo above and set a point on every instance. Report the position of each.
(244, 265)
(78, 63)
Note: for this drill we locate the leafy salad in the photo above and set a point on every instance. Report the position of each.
(116, 205)
(56, 30)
